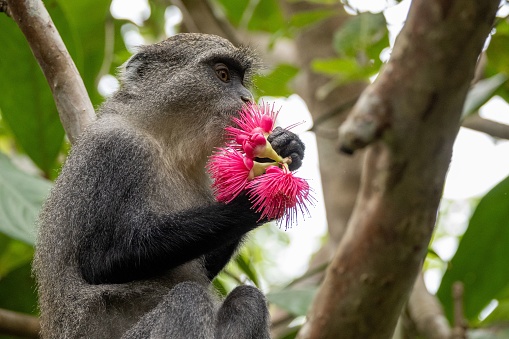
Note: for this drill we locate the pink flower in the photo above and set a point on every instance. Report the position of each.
(274, 192)
(254, 118)
(230, 171)
(279, 193)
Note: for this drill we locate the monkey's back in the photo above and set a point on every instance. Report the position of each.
(91, 191)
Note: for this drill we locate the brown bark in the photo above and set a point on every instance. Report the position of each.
(71, 98)
(410, 116)
(18, 324)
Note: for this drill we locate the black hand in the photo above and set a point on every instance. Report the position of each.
(287, 144)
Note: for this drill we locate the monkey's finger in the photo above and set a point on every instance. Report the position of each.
(296, 162)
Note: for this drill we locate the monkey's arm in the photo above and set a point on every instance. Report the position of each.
(110, 183)
(124, 240)
(152, 244)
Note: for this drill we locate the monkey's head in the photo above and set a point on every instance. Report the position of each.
(190, 78)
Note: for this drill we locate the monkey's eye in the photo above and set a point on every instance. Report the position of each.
(222, 72)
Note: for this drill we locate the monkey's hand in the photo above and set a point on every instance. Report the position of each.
(287, 144)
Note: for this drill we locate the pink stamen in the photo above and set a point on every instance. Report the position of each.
(278, 193)
(230, 171)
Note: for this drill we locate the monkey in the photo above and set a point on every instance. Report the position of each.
(130, 236)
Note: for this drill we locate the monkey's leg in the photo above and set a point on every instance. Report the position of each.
(186, 312)
(243, 315)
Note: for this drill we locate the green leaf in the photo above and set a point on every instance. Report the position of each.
(220, 286)
(26, 101)
(267, 17)
(89, 33)
(497, 49)
(306, 18)
(481, 93)
(359, 43)
(295, 301)
(18, 291)
(245, 266)
(481, 259)
(276, 82)
(21, 197)
(335, 66)
(13, 254)
(497, 55)
(233, 9)
(499, 315)
(260, 15)
(360, 32)
(343, 70)
(491, 333)
(292, 333)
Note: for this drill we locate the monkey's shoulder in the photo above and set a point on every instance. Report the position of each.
(108, 161)
(109, 142)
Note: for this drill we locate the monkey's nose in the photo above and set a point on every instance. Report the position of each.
(246, 99)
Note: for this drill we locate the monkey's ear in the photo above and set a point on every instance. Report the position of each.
(136, 67)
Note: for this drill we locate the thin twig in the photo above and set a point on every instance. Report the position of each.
(308, 274)
(460, 325)
(283, 320)
(332, 113)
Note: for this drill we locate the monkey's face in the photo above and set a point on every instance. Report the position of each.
(190, 78)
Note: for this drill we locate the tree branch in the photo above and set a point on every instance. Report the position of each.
(18, 324)
(426, 312)
(490, 127)
(71, 98)
(199, 16)
(410, 115)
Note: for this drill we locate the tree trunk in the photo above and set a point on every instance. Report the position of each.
(410, 117)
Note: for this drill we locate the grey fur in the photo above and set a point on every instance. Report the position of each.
(161, 125)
